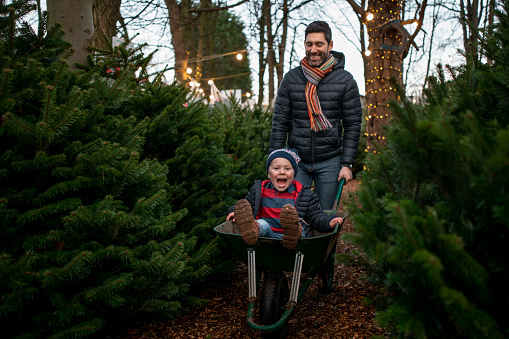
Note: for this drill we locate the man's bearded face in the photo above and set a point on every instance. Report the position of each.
(317, 49)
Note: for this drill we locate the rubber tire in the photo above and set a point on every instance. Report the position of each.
(327, 276)
(273, 298)
(327, 272)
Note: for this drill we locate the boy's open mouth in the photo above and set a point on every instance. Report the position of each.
(281, 182)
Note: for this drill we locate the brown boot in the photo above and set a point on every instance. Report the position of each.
(290, 222)
(249, 229)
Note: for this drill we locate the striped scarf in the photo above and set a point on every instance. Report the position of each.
(314, 75)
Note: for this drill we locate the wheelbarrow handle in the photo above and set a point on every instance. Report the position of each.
(338, 193)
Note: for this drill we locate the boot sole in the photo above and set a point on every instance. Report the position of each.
(244, 219)
(290, 222)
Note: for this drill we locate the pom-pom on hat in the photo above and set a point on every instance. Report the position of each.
(289, 154)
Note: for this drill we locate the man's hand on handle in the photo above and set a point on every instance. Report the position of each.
(345, 173)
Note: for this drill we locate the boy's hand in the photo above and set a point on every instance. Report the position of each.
(230, 216)
(335, 221)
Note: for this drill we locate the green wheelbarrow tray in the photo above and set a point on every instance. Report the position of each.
(270, 253)
(310, 256)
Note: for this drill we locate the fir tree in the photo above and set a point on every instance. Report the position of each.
(433, 210)
(184, 136)
(247, 135)
(89, 225)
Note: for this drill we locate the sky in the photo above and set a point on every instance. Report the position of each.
(344, 25)
(345, 29)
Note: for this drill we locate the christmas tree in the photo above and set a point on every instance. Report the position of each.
(433, 212)
(101, 214)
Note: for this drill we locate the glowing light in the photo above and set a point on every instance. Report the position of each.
(211, 82)
(367, 52)
(189, 71)
(248, 94)
(239, 56)
(191, 83)
(369, 16)
(197, 84)
(211, 97)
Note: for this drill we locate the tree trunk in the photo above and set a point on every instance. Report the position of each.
(106, 14)
(436, 10)
(470, 18)
(207, 22)
(388, 45)
(206, 29)
(261, 57)
(177, 25)
(282, 44)
(271, 53)
(491, 17)
(383, 64)
(77, 21)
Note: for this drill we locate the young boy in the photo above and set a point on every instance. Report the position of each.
(278, 203)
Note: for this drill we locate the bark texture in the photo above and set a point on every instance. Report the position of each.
(76, 19)
(106, 15)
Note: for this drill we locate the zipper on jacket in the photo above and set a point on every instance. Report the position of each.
(312, 147)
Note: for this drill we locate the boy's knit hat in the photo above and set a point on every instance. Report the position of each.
(289, 154)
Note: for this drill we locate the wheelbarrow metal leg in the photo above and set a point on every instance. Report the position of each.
(297, 270)
(251, 273)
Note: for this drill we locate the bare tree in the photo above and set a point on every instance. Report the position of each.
(271, 53)
(181, 15)
(270, 25)
(435, 16)
(177, 14)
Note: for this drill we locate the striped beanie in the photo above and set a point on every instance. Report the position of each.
(289, 154)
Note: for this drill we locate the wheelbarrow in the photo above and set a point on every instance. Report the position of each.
(313, 256)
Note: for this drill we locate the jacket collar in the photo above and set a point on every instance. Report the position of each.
(340, 58)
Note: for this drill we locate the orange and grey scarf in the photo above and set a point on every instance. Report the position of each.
(314, 75)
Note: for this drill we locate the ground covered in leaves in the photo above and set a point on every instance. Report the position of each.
(341, 314)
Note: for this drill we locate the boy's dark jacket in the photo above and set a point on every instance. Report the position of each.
(307, 205)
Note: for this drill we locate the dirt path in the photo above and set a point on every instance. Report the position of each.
(340, 314)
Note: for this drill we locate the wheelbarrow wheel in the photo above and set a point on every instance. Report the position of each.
(273, 299)
(327, 276)
(327, 273)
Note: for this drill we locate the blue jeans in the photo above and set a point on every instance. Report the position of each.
(267, 232)
(325, 174)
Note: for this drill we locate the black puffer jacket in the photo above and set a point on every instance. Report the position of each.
(308, 207)
(340, 102)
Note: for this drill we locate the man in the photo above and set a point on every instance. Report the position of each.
(318, 112)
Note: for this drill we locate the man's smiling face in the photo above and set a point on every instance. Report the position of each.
(317, 49)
